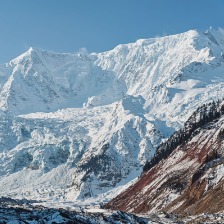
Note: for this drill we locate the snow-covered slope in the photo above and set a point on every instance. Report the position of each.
(75, 148)
(174, 74)
(75, 126)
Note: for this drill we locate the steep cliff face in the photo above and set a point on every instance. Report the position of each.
(82, 125)
(185, 178)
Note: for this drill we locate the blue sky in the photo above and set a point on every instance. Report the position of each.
(98, 25)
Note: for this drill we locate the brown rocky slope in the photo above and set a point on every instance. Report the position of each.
(186, 176)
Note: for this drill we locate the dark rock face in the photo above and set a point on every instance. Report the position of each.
(99, 166)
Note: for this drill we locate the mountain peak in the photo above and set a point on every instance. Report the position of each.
(30, 53)
(31, 49)
(35, 50)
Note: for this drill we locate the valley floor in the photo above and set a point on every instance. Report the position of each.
(29, 212)
(24, 211)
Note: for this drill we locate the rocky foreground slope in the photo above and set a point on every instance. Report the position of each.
(186, 175)
(78, 127)
(24, 211)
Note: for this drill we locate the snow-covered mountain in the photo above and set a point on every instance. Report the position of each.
(81, 126)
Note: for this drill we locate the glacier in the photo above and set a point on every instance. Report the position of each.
(78, 127)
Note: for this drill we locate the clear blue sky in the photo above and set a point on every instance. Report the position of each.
(98, 25)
